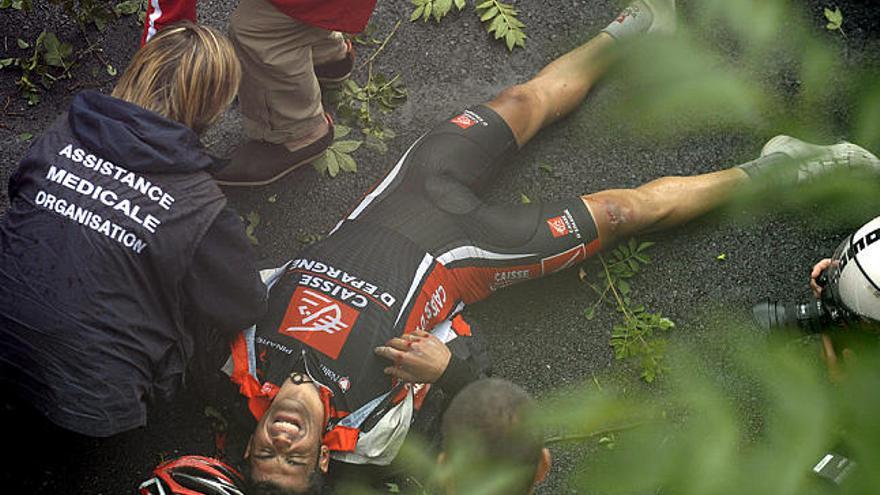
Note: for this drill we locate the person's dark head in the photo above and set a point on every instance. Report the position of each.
(484, 431)
(187, 73)
(285, 454)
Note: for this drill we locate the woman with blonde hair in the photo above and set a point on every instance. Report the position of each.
(117, 250)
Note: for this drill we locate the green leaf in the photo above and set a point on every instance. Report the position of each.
(590, 313)
(111, 70)
(320, 164)
(632, 245)
(460, 4)
(721, 257)
(486, 4)
(495, 24)
(55, 51)
(22, 43)
(6, 62)
(416, 13)
(273, 198)
(340, 131)
(835, 18)
(332, 163)
(633, 265)
(348, 146)
(346, 162)
(524, 199)
(100, 23)
(441, 8)
(489, 14)
(608, 442)
(252, 221)
(25, 136)
(510, 40)
(128, 7)
(623, 286)
(376, 144)
(309, 238)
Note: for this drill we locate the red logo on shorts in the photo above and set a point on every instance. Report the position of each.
(318, 320)
(557, 226)
(463, 121)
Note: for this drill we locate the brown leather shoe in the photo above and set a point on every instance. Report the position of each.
(332, 73)
(258, 163)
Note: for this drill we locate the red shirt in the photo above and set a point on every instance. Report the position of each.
(349, 16)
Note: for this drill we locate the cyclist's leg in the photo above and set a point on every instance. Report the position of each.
(555, 91)
(659, 204)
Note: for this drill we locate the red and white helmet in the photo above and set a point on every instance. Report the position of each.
(193, 475)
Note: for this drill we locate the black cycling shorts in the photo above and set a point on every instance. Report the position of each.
(432, 197)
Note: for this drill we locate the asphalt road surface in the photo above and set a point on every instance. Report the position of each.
(537, 333)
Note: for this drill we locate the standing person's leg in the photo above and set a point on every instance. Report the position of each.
(280, 95)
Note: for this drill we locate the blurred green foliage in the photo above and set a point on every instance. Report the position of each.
(738, 418)
(749, 65)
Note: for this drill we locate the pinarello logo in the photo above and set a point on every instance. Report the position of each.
(557, 226)
(318, 320)
(463, 121)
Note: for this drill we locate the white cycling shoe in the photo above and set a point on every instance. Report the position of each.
(663, 13)
(815, 160)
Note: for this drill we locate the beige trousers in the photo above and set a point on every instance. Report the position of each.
(279, 93)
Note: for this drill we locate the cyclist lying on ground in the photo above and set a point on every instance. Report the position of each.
(357, 322)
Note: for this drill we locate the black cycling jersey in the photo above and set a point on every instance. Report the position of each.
(408, 257)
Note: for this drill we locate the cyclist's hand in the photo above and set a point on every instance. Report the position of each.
(817, 270)
(418, 357)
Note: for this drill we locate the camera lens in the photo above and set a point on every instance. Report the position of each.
(810, 316)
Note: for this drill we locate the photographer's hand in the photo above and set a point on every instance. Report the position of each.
(817, 270)
(836, 371)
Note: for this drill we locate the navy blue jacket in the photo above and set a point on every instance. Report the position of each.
(116, 247)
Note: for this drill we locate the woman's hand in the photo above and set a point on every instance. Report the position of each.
(418, 357)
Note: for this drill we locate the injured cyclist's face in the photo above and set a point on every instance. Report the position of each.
(286, 448)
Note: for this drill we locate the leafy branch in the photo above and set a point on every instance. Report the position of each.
(50, 61)
(25, 5)
(499, 18)
(438, 8)
(502, 21)
(636, 337)
(835, 20)
(358, 104)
